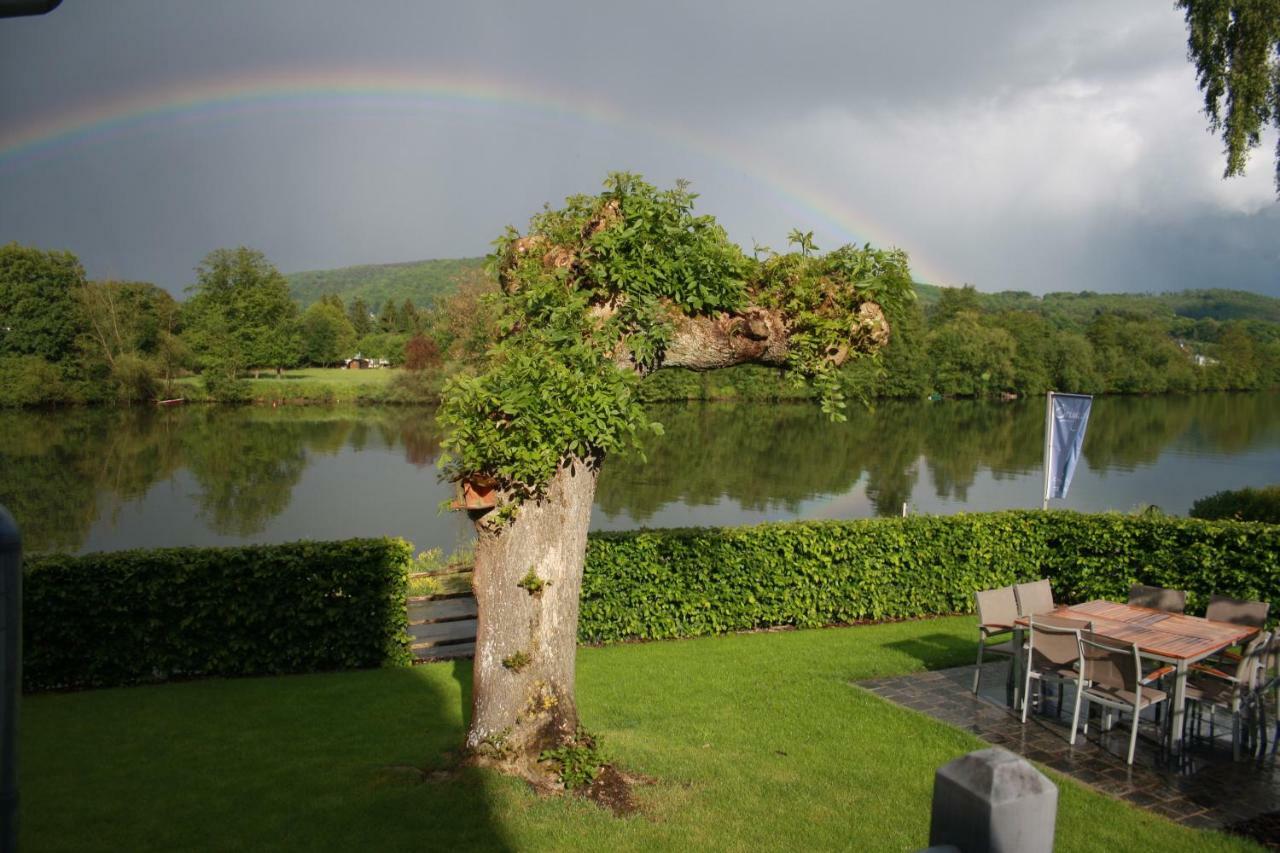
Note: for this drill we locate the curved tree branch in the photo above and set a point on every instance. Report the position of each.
(760, 336)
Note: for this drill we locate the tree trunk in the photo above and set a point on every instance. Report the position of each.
(528, 577)
(526, 640)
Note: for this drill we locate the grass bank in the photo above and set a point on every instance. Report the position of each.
(329, 385)
(759, 742)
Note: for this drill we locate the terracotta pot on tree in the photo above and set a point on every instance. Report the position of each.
(478, 492)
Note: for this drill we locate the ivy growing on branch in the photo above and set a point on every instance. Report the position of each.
(590, 299)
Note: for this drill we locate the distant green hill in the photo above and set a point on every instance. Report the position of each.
(1067, 310)
(421, 281)
(425, 281)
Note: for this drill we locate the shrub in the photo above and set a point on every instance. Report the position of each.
(1241, 504)
(692, 582)
(29, 380)
(225, 388)
(137, 616)
(421, 353)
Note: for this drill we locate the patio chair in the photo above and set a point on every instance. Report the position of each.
(1269, 688)
(1232, 684)
(1237, 611)
(1034, 598)
(1054, 654)
(1158, 598)
(997, 609)
(1115, 679)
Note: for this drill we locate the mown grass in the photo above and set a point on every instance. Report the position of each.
(329, 385)
(757, 742)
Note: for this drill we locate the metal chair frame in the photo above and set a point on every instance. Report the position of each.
(1095, 641)
(1247, 697)
(1062, 627)
(987, 629)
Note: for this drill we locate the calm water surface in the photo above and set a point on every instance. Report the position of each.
(92, 480)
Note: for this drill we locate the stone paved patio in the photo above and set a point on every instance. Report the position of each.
(1202, 788)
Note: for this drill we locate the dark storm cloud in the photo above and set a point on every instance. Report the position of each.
(1012, 145)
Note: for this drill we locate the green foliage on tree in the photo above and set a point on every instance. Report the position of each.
(388, 345)
(327, 335)
(29, 380)
(970, 358)
(388, 318)
(358, 315)
(240, 315)
(39, 311)
(1235, 45)
(802, 239)
(466, 321)
(1138, 356)
(952, 301)
(410, 319)
(129, 340)
(1238, 364)
(590, 298)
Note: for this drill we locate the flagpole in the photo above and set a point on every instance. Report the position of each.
(1048, 444)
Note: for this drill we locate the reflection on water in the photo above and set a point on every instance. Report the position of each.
(787, 461)
(84, 480)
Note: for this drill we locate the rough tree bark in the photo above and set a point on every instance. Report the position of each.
(528, 570)
(528, 577)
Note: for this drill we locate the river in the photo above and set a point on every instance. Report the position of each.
(84, 480)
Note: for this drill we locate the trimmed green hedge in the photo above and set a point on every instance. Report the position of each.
(137, 616)
(685, 583)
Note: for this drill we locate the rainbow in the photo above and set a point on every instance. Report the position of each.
(46, 136)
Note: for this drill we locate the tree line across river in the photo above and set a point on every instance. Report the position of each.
(67, 339)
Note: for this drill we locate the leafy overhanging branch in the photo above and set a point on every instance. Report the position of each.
(611, 287)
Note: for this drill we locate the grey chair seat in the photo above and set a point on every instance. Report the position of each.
(1005, 648)
(1069, 673)
(1150, 695)
(1209, 690)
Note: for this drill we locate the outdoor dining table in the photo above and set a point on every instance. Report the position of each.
(1171, 638)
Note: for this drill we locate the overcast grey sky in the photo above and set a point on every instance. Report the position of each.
(1010, 145)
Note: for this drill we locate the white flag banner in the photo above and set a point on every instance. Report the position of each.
(1065, 422)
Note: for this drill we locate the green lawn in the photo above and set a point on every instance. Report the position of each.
(325, 385)
(759, 742)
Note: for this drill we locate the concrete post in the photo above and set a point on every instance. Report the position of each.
(10, 676)
(993, 800)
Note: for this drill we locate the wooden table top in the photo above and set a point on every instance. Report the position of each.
(1156, 632)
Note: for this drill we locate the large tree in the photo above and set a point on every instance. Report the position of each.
(327, 335)
(242, 311)
(39, 308)
(128, 335)
(593, 297)
(1235, 45)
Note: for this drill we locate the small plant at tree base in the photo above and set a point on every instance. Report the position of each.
(532, 583)
(579, 760)
(517, 661)
(497, 745)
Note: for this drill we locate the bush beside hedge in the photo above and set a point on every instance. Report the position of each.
(136, 616)
(1241, 505)
(691, 582)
